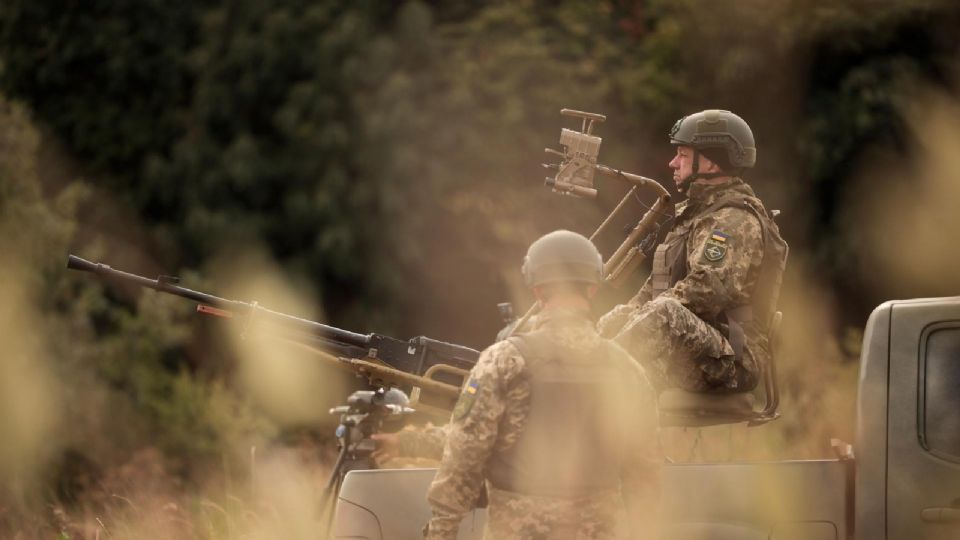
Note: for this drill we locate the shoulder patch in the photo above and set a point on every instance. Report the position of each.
(466, 400)
(716, 248)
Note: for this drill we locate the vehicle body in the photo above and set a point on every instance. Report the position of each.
(903, 484)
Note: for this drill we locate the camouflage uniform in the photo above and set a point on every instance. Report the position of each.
(496, 420)
(678, 326)
(422, 443)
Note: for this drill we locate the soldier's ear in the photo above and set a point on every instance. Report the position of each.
(706, 165)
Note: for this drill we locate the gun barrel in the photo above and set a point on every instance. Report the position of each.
(166, 285)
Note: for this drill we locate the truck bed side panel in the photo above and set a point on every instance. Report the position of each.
(776, 496)
(783, 500)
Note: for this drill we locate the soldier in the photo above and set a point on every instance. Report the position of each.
(701, 320)
(559, 423)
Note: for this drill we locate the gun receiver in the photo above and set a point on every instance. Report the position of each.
(432, 371)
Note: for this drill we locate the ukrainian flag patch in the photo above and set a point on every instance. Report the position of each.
(467, 397)
(719, 236)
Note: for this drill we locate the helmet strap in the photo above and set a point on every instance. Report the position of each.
(695, 174)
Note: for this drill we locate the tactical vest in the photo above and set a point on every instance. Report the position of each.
(570, 442)
(670, 266)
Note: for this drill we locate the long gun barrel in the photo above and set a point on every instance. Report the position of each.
(435, 367)
(168, 284)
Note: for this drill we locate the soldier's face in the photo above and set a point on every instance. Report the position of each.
(682, 164)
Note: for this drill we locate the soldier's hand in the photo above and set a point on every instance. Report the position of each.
(388, 446)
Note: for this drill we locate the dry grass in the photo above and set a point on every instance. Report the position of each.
(279, 497)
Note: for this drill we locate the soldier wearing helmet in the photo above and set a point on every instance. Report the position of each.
(701, 320)
(559, 424)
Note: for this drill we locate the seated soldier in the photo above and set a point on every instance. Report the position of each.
(701, 320)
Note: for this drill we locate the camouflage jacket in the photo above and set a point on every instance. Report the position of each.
(724, 250)
(489, 420)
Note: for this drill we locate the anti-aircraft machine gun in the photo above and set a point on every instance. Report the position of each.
(431, 371)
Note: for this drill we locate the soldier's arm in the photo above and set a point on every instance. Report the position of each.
(421, 443)
(644, 295)
(723, 252)
(612, 322)
(471, 435)
(641, 477)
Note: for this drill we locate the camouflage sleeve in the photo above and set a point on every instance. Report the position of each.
(644, 295)
(471, 436)
(723, 249)
(641, 476)
(422, 443)
(612, 322)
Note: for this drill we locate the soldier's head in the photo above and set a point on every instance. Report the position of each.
(563, 267)
(711, 144)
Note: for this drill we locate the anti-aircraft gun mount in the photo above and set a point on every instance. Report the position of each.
(575, 176)
(366, 412)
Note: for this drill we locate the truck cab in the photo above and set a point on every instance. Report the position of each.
(903, 484)
(908, 422)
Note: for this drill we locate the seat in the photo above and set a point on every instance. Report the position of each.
(693, 409)
(680, 408)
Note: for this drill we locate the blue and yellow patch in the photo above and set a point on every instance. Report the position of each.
(716, 248)
(467, 398)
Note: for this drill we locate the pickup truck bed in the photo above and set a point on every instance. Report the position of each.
(792, 500)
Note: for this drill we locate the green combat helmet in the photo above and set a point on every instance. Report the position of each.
(562, 256)
(720, 135)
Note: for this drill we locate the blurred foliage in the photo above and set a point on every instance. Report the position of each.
(359, 140)
(107, 77)
(386, 155)
(88, 381)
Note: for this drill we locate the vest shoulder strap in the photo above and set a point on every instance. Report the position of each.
(531, 345)
(775, 252)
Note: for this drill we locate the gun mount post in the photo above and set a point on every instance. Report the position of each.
(365, 413)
